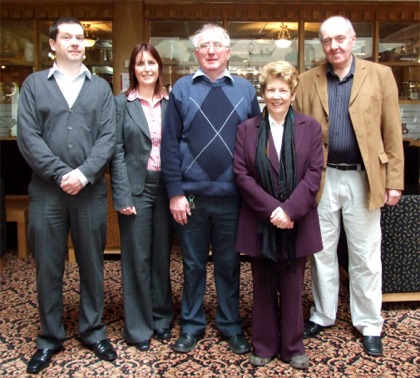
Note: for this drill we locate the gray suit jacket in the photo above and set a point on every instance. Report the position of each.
(129, 164)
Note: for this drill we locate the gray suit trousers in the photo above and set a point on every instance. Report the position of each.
(52, 214)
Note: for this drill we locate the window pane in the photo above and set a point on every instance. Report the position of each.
(399, 42)
(17, 62)
(255, 44)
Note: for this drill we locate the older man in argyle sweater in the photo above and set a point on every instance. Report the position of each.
(203, 113)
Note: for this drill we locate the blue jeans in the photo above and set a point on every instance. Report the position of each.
(212, 224)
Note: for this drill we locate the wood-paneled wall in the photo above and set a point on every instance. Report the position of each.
(130, 17)
(285, 10)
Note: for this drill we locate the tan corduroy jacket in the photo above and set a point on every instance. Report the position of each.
(375, 114)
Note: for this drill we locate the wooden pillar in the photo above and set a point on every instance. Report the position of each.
(128, 31)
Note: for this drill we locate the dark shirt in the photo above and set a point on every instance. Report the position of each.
(343, 147)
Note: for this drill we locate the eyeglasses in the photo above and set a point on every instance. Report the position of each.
(217, 46)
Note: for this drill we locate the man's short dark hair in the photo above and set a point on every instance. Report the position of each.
(59, 21)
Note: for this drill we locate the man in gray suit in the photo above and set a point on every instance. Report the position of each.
(66, 133)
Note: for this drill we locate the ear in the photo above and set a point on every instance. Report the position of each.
(228, 52)
(52, 44)
(353, 40)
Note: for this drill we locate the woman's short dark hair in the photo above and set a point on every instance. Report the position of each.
(140, 49)
(59, 21)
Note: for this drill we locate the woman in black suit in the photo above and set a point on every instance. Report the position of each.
(141, 201)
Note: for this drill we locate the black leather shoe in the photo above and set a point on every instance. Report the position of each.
(162, 334)
(40, 360)
(372, 345)
(103, 350)
(312, 329)
(142, 346)
(239, 344)
(186, 342)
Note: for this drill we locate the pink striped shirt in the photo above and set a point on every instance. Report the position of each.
(153, 114)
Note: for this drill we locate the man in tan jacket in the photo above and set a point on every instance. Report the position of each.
(356, 102)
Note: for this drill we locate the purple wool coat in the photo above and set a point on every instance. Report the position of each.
(258, 204)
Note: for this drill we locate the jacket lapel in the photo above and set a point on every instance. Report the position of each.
(298, 131)
(135, 110)
(321, 86)
(359, 77)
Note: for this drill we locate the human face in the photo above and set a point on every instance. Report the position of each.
(212, 54)
(278, 97)
(146, 69)
(69, 45)
(337, 42)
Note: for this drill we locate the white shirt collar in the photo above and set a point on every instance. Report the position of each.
(83, 71)
(200, 72)
(273, 123)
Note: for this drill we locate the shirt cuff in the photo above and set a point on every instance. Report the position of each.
(81, 177)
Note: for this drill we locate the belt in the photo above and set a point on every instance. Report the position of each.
(347, 167)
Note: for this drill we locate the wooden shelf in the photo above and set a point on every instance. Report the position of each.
(400, 63)
(409, 101)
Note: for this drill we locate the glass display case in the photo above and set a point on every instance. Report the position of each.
(17, 60)
(253, 45)
(399, 48)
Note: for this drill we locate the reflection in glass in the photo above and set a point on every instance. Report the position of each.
(399, 42)
(17, 41)
(254, 45)
(16, 63)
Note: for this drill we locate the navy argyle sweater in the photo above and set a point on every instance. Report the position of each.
(199, 133)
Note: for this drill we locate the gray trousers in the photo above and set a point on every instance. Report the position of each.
(52, 214)
(146, 241)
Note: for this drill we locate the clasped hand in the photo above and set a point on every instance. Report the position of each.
(280, 219)
(71, 184)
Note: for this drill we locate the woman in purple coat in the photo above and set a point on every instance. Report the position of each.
(278, 163)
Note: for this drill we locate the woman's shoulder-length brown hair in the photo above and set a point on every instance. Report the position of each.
(140, 49)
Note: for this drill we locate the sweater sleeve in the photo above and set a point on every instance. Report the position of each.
(170, 150)
(32, 146)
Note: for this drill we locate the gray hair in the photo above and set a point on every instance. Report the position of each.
(194, 39)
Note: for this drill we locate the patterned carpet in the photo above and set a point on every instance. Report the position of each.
(337, 352)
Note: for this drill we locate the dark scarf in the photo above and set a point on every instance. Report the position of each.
(277, 243)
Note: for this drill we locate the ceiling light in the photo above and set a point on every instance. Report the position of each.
(283, 39)
(90, 40)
